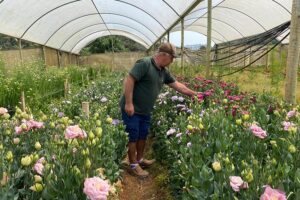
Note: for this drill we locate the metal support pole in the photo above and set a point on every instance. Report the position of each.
(182, 43)
(58, 58)
(293, 55)
(208, 46)
(20, 50)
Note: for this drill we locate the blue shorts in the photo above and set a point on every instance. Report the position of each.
(137, 126)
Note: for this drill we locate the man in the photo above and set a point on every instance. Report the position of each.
(141, 88)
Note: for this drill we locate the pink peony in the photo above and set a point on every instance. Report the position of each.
(3, 111)
(74, 132)
(258, 132)
(237, 183)
(96, 188)
(271, 193)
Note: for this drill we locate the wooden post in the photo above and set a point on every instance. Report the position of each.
(66, 86)
(293, 55)
(182, 44)
(267, 58)
(208, 46)
(23, 101)
(44, 55)
(85, 109)
(20, 50)
(58, 58)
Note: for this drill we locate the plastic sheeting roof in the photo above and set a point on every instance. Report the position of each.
(70, 25)
(236, 19)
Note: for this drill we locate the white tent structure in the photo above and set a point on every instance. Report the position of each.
(70, 25)
(236, 19)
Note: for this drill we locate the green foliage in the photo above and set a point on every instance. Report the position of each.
(112, 44)
(40, 84)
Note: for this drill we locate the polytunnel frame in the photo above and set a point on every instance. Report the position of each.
(91, 14)
(68, 38)
(225, 7)
(100, 15)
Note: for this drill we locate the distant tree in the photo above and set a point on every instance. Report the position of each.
(7, 42)
(112, 44)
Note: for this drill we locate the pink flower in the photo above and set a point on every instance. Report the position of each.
(258, 132)
(34, 124)
(18, 130)
(237, 183)
(271, 193)
(96, 188)
(38, 166)
(3, 111)
(74, 132)
(287, 125)
(291, 113)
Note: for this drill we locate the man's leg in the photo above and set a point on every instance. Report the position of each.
(141, 143)
(132, 150)
(132, 128)
(140, 146)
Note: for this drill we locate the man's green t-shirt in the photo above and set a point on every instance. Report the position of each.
(149, 82)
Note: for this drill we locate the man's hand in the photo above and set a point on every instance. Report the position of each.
(129, 109)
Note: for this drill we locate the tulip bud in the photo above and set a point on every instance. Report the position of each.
(88, 163)
(292, 149)
(98, 122)
(189, 127)
(16, 141)
(246, 117)
(238, 121)
(38, 179)
(216, 166)
(98, 131)
(37, 146)
(9, 156)
(37, 187)
(26, 161)
(109, 120)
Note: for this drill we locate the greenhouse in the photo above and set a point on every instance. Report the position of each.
(161, 99)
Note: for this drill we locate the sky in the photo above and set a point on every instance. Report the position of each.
(190, 38)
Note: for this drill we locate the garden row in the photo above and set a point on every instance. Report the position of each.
(225, 144)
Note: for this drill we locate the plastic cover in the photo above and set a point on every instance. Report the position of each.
(70, 25)
(235, 19)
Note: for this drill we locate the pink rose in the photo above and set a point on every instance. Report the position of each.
(96, 188)
(271, 193)
(74, 132)
(237, 183)
(258, 132)
(3, 111)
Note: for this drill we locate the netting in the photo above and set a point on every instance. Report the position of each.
(242, 53)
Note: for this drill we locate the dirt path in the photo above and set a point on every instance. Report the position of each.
(150, 188)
